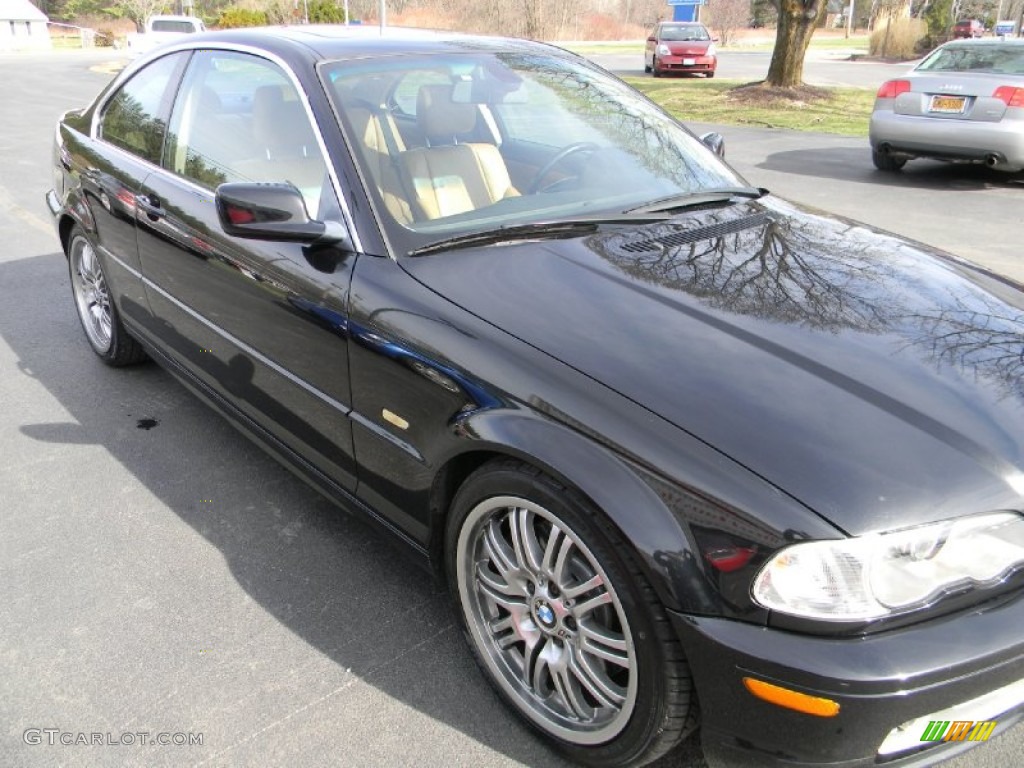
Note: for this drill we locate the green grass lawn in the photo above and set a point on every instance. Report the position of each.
(845, 111)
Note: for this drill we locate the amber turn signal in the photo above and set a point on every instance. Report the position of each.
(783, 697)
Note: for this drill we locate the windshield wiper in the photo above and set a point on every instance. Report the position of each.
(699, 197)
(540, 229)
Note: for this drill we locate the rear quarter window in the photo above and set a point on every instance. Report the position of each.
(135, 117)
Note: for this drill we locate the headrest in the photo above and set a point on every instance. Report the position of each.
(277, 122)
(439, 117)
(209, 101)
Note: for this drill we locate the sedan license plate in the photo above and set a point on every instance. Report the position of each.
(948, 104)
(689, 62)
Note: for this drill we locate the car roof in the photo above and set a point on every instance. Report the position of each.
(332, 41)
(983, 41)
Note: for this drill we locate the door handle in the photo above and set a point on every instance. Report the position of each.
(151, 205)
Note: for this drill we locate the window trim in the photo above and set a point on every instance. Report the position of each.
(130, 71)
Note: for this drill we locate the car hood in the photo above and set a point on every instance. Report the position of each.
(697, 48)
(877, 382)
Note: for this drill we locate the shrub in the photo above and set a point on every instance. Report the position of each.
(898, 39)
(106, 36)
(231, 18)
(325, 12)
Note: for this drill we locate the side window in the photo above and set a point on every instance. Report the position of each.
(134, 119)
(238, 117)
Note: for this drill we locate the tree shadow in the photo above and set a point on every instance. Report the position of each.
(327, 576)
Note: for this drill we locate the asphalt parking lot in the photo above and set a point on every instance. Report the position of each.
(161, 575)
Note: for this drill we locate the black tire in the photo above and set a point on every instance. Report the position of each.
(647, 67)
(655, 72)
(96, 308)
(660, 709)
(885, 162)
(711, 74)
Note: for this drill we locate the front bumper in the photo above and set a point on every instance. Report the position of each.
(948, 139)
(947, 667)
(680, 63)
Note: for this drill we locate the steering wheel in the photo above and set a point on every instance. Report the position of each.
(580, 146)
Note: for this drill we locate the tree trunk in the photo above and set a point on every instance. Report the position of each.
(533, 16)
(797, 21)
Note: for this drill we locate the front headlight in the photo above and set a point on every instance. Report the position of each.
(870, 577)
(663, 50)
(711, 50)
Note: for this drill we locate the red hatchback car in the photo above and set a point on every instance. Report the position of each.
(968, 28)
(680, 46)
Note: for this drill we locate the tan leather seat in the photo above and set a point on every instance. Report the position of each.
(446, 178)
(377, 139)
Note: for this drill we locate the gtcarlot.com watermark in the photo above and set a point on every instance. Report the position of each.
(55, 736)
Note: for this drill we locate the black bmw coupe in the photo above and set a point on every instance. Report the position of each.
(687, 455)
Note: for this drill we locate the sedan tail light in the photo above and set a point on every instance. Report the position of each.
(893, 88)
(1012, 97)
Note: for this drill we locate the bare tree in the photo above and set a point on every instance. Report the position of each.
(137, 10)
(728, 16)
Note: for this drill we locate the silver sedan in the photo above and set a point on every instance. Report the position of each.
(964, 102)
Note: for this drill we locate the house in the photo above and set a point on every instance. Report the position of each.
(22, 26)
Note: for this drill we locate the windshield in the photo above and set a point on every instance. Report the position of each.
(967, 57)
(684, 32)
(456, 143)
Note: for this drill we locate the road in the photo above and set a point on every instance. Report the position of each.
(822, 67)
(174, 579)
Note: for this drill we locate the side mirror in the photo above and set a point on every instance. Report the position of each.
(652, 39)
(715, 39)
(272, 211)
(714, 142)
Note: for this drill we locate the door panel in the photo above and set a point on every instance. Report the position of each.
(111, 172)
(255, 320)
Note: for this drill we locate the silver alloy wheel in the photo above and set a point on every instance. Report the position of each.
(91, 295)
(546, 620)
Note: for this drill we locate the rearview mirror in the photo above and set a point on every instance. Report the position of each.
(272, 211)
(714, 142)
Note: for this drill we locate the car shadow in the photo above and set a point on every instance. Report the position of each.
(329, 577)
(854, 164)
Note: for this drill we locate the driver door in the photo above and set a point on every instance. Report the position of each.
(262, 325)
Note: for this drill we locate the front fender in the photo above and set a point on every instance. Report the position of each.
(660, 542)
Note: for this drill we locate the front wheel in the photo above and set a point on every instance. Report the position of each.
(562, 621)
(95, 305)
(655, 71)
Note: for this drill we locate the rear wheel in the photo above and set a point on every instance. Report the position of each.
(885, 162)
(562, 621)
(95, 305)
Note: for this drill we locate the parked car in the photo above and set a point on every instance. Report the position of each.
(964, 102)
(680, 46)
(968, 28)
(163, 29)
(685, 453)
